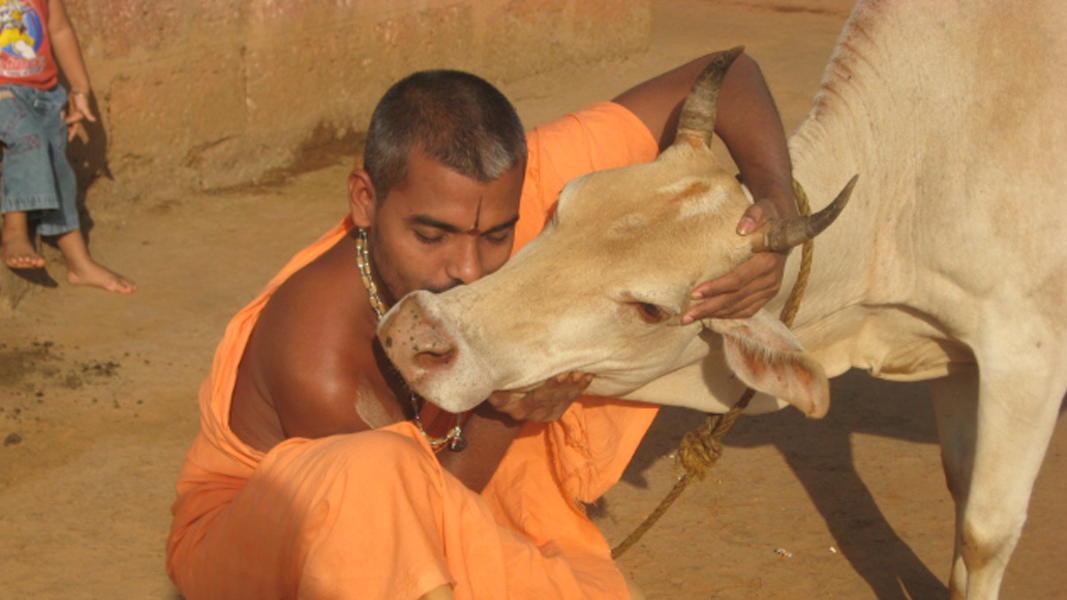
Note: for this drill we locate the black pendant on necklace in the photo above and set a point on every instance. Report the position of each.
(458, 443)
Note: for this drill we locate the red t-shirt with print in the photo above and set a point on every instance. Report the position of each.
(25, 48)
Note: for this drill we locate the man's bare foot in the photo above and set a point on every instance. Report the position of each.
(440, 593)
(93, 274)
(19, 253)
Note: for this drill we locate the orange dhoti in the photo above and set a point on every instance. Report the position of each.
(373, 515)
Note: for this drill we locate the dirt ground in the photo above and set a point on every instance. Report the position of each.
(98, 394)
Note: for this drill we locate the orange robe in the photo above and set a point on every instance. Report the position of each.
(372, 514)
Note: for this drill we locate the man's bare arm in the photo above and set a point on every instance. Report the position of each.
(748, 122)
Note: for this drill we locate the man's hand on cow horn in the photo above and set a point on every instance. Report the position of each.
(742, 292)
(545, 403)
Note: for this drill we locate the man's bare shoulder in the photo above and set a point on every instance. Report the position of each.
(311, 354)
(314, 302)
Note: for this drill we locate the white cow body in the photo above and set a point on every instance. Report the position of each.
(949, 265)
(959, 134)
(953, 112)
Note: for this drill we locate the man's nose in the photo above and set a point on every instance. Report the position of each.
(466, 264)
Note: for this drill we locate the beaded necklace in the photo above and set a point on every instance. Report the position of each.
(454, 439)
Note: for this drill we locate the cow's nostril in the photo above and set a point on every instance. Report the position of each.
(433, 360)
(415, 341)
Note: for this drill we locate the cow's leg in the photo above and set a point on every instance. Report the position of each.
(994, 432)
(955, 406)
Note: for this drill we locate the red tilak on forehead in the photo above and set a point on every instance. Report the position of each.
(474, 231)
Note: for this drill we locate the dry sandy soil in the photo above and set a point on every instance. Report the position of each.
(98, 394)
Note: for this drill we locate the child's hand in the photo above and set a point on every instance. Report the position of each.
(77, 110)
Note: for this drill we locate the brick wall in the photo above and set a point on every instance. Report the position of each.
(207, 94)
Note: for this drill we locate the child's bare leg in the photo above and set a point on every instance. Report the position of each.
(83, 270)
(15, 245)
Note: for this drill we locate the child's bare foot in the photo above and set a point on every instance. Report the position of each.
(93, 274)
(83, 270)
(20, 254)
(15, 246)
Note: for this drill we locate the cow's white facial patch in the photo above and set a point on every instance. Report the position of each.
(695, 196)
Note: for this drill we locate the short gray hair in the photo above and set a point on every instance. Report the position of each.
(459, 120)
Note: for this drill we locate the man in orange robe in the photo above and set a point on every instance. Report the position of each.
(311, 476)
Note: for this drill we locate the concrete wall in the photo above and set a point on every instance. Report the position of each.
(207, 94)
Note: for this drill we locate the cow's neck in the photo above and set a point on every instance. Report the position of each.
(860, 303)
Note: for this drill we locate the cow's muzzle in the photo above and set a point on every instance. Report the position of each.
(415, 341)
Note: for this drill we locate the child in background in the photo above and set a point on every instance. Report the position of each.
(36, 42)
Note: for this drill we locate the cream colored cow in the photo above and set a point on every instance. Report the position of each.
(950, 264)
(621, 322)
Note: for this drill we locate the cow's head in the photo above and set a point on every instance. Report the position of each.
(603, 288)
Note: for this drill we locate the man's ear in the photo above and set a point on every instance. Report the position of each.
(361, 198)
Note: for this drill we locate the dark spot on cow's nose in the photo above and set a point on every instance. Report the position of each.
(388, 341)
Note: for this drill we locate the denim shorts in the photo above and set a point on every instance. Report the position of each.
(37, 178)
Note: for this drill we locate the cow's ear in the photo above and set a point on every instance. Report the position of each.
(765, 355)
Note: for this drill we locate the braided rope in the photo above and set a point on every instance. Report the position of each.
(701, 448)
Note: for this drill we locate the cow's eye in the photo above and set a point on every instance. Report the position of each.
(650, 312)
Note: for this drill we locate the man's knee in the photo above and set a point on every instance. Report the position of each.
(389, 463)
(380, 451)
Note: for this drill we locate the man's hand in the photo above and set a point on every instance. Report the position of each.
(545, 403)
(742, 292)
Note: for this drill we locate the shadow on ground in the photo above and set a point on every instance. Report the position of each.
(820, 453)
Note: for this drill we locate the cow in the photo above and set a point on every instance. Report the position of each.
(949, 265)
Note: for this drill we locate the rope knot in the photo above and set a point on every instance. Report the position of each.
(700, 449)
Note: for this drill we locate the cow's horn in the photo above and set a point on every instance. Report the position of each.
(696, 123)
(780, 235)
